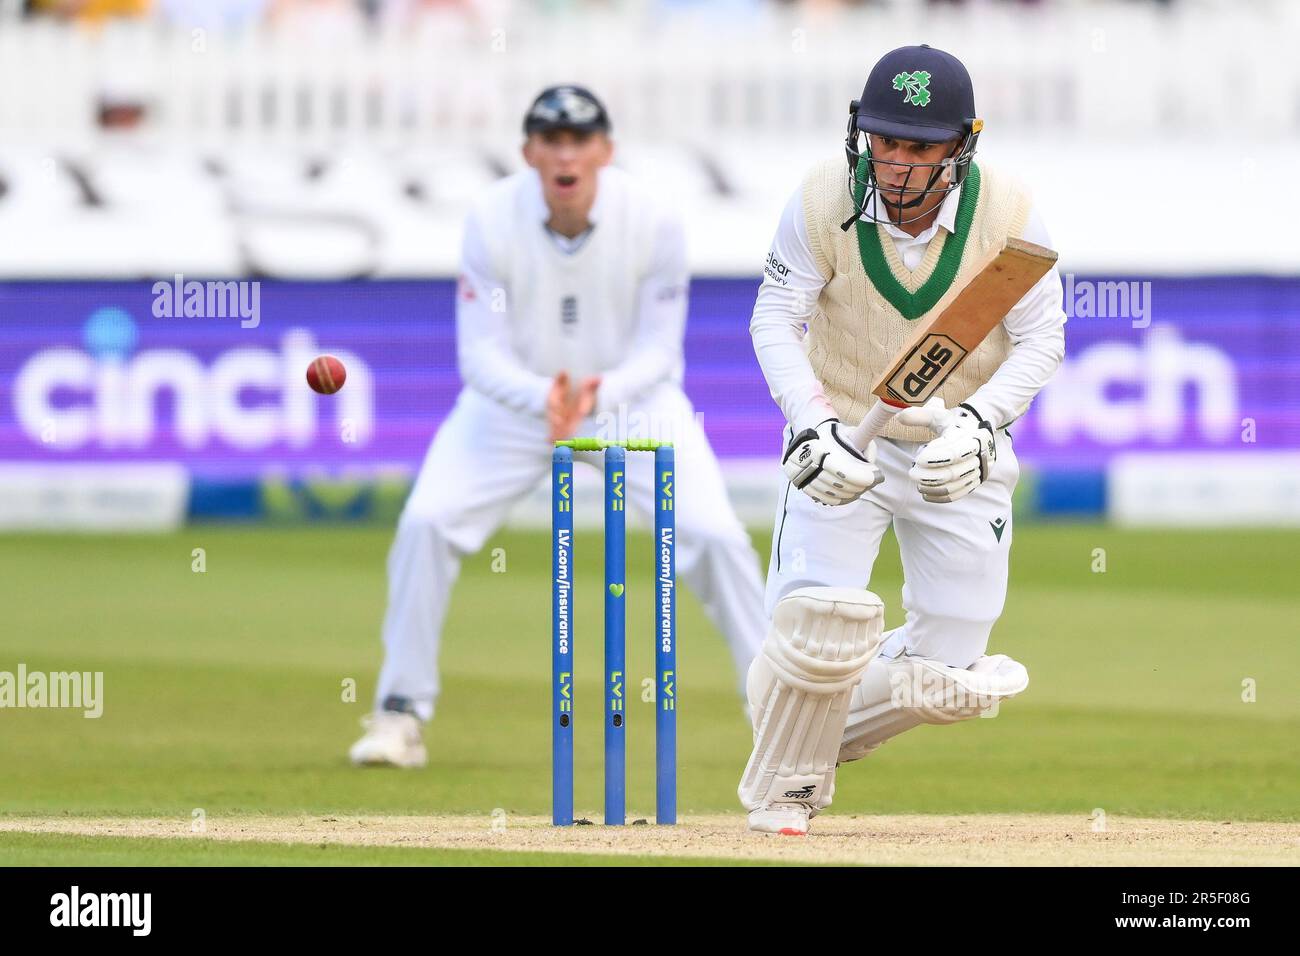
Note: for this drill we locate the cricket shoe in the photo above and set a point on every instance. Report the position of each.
(787, 819)
(391, 740)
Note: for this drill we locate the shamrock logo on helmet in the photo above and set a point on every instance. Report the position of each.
(915, 87)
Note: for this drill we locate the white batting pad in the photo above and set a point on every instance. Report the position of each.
(799, 688)
(899, 694)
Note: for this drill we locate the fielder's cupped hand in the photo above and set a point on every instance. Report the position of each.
(958, 460)
(823, 464)
(567, 406)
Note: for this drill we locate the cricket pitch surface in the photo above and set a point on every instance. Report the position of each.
(924, 840)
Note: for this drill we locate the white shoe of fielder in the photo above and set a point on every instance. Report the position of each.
(788, 819)
(391, 739)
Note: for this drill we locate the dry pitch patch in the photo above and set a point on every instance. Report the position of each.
(993, 839)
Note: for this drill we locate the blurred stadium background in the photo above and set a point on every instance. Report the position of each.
(329, 148)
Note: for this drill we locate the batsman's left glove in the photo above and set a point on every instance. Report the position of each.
(961, 455)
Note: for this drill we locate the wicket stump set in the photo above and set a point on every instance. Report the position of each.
(562, 647)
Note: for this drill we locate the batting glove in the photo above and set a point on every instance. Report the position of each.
(959, 459)
(823, 464)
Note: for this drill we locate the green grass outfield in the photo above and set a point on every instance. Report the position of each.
(60, 849)
(225, 690)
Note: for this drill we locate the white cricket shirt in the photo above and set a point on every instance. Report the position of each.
(529, 306)
(787, 299)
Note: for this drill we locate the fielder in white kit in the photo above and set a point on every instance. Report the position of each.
(860, 255)
(570, 316)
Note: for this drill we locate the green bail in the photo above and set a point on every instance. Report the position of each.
(600, 444)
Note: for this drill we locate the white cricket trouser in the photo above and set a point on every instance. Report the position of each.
(486, 457)
(954, 554)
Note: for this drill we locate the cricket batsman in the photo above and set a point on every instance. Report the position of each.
(570, 312)
(860, 255)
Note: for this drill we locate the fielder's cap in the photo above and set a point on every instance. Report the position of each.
(566, 107)
(917, 93)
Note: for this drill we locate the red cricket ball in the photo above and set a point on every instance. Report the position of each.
(326, 375)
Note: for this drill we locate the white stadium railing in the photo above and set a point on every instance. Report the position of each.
(1082, 70)
(327, 148)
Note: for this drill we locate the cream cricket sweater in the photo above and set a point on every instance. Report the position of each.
(870, 303)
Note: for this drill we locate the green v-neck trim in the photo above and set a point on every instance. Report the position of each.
(913, 305)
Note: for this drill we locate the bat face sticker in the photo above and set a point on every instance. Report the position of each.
(925, 368)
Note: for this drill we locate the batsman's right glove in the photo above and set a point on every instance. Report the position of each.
(823, 464)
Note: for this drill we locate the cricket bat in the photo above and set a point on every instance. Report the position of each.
(942, 343)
